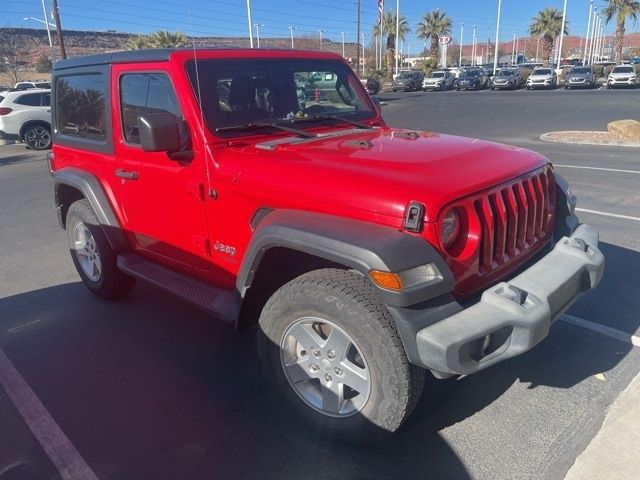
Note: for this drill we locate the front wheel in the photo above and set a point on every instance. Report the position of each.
(92, 255)
(330, 347)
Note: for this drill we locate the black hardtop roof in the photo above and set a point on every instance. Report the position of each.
(145, 55)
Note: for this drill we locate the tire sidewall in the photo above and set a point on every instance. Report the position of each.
(26, 133)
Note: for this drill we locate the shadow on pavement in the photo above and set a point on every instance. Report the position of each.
(149, 388)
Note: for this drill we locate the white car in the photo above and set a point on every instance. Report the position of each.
(622, 75)
(25, 115)
(542, 78)
(438, 80)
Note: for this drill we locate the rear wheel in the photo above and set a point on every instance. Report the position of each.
(38, 137)
(331, 348)
(92, 255)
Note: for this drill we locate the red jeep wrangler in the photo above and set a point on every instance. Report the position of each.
(264, 187)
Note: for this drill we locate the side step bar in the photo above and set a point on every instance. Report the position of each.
(224, 304)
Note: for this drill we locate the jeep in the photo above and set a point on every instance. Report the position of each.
(366, 255)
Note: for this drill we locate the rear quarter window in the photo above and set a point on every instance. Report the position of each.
(80, 106)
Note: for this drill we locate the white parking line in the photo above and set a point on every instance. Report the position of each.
(597, 168)
(55, 443)
(614, 215)
(604, 330)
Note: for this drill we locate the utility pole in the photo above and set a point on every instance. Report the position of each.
(497, 47)
(56, 20)
(461, 33)
(358, 37)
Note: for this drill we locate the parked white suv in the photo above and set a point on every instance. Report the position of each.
(25, 115)
(622, 75)
(542, 78)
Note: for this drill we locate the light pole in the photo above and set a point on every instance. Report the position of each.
(495, 57)
(249, 20)
(53, 51)
(363, 58)
(461, 32)
(320, 31)
(564, 18)
(258, 25)
(586, 40)
(397, 33)
(291, 29)
(513, 52)
(594, 22)
(538, 49)
(473, 47)
(343, 34)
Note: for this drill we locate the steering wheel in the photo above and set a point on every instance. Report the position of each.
(316, 110)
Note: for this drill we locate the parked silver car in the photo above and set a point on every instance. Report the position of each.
(580, 77)
(508, 78)
(542, 78)
(622, 76)
(438, 80)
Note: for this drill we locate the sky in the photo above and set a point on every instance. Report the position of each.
(229, 17)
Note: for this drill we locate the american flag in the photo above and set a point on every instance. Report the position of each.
(380, 10)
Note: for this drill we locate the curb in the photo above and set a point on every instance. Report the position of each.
(7, 142)
(565, 137)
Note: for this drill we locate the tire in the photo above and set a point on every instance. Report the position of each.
(346, 305)
(92, 255)
(38, 137)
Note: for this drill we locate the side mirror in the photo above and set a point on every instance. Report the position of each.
(159, 132)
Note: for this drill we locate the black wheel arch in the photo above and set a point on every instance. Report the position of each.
(32, 123)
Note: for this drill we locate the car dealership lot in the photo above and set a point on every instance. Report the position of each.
(151, 388)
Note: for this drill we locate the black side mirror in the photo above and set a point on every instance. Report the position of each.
(159, 132)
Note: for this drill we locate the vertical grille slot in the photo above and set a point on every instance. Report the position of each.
(512, 221)
(483, 208)
(500, 215)
(523, 215)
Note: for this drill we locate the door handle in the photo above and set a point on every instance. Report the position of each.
(128, 175)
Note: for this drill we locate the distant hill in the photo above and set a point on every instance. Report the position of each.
(79, 43)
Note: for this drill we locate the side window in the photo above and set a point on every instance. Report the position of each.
(30, 100)
(80, 106)
(142, 93)
(46, 99)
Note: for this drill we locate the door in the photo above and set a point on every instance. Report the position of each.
(163, 200)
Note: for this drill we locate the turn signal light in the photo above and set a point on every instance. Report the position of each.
(387, 280)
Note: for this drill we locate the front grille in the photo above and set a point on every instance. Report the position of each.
(515, 219)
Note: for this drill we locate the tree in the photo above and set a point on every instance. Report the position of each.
(548, 24)
(434, 25)
(159, 39)
(389, 27)
(43, 64)
(621, 10)
(13, 48)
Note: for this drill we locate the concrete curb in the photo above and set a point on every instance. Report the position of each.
(566, 137)
(7, 142)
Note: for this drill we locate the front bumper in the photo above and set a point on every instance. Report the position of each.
(512, 317)
(627, 82)
(434, 86)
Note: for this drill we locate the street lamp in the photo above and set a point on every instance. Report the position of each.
(291, 29)
(473, 47)
(461, 32)
(586, 40)
(47, 24)
(397, 39)
(258, 25)
(495, 57)
(343, 34)
(320, 32)
(363, 59)
(564, 17)
(513, 54)
(249, 20)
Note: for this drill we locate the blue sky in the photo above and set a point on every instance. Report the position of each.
(228, 17)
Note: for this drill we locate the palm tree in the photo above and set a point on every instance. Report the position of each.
(139, 42)
(389, 27)
(434, 25)
(621, 9)
(548, 24)
(165, 39)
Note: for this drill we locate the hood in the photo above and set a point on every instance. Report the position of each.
(622, 74)
(378, 171)
(546, 76)
(503, 77)
(579, 75)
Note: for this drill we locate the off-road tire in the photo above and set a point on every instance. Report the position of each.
(112, 283)
(349, 301)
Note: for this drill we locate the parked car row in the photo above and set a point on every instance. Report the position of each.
(508, 78)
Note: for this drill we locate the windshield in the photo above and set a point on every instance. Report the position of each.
(542, 71)
(437, 75)
(581, 70)
(622, 70)
(506, 73)
(244, 91)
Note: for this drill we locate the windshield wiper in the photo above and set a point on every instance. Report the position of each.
(319, 118)
(260, 125)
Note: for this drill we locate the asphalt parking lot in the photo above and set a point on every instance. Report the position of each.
(150, 388)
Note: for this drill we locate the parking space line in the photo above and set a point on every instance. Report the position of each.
(614, 215)
(597, 168)
(55, 443)
(602, 329)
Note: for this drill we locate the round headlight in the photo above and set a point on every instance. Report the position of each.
(450, 228)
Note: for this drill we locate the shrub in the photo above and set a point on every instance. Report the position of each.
(525, 73)
(607, 70)
(428, 66)
(599, 70)
(43, 64)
